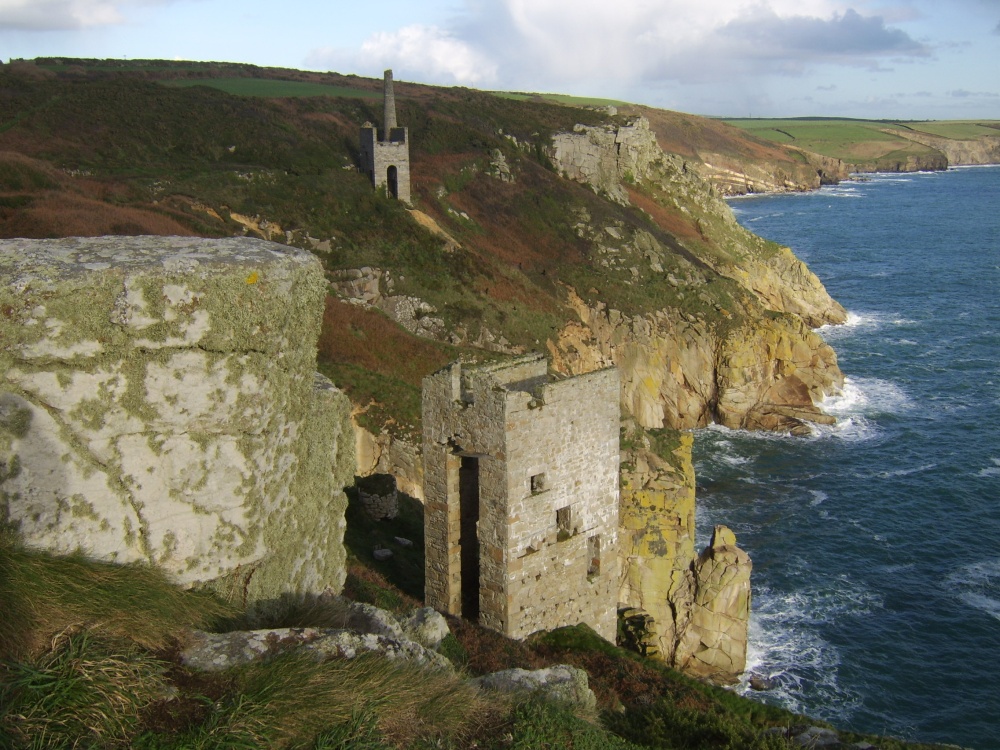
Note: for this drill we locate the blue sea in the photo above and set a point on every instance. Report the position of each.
(876, 542)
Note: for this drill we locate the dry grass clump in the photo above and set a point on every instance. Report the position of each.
(83, 691)
(44, 595)
(297, 698)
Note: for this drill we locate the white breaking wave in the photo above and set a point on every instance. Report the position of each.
(905, 472)
(785, 645)
(978, 585)
(867, 397)
(991, 471)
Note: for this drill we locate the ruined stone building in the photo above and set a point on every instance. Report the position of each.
(386, 161)
(521, 496)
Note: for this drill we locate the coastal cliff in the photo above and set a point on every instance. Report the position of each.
(538, 227)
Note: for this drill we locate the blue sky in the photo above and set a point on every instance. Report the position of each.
(913, 59)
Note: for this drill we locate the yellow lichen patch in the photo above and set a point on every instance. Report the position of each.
(253, 278)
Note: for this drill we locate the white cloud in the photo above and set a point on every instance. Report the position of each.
(599, 45)
(427, 52)
(51, 15)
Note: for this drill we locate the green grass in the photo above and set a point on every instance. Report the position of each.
(860, 141)
(45, 595)
(101, 687)
(273, 88)
(827, 137)
(578, 101)
(957, 129)
(82, 690)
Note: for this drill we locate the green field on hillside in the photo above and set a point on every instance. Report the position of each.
(579, 101)
(957, 129)
(821, 136)
(861, 141)
(870, 145)
(272, 88)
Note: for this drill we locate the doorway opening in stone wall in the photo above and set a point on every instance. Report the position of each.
(392, 181)
(468, 489)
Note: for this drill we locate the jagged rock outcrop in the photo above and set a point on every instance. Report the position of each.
(159, 403)
(605, 156)
(680, 373)
(714, 644)
(759, 370)
(656, 542)
(690, 612)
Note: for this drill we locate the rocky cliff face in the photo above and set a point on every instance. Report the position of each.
(159, 403)
(958, 152)
(679, 373)
(690, 611)
(735, 176)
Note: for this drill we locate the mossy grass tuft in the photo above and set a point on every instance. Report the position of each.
(45, 595)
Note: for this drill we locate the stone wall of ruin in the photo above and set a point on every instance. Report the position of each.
(547, 455)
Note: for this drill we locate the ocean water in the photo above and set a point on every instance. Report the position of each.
(876, 542)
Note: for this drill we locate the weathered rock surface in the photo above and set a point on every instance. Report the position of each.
(762, 371)
(714, 645)
(215, 652)
(959, 152)
(364, 628)
(690, 612)
(679, 373)
(386, 454)
(741, 176)
(159, 403)
(561, 683)
(426, 626)
(605, 156)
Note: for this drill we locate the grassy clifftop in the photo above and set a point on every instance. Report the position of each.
(884, 145)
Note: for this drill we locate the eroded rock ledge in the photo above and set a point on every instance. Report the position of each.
(159, 403)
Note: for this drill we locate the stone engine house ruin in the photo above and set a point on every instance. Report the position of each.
(521, 496)
(387, 161)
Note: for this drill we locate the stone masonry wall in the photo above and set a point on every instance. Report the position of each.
(159, 403)
(563, 533)
(548, 494)
(377, 156)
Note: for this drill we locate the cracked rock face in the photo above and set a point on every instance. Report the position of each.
(159, 403)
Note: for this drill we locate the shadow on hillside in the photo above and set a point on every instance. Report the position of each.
(404, 569)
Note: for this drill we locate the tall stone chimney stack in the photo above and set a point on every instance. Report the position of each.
(389, 104)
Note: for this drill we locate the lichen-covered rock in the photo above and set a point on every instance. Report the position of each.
(216, 652)
(605, 156)
(656, 549)
(159, 403)
(714, 645)
(426, 626)
(680, 373)
(561, 683)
